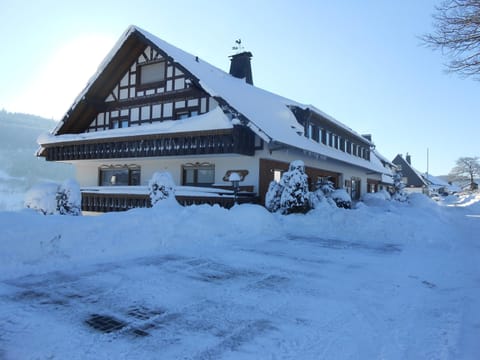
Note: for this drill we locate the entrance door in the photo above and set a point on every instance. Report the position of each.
(355, 188)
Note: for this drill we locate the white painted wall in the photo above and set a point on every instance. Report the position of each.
(87, 170)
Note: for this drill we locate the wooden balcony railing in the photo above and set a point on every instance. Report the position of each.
(239, 140)
(108, 202)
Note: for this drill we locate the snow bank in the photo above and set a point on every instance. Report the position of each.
(35, 243)
(364, 276)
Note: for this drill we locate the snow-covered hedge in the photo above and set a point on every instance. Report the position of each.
(376, 199)
(161, 187)
(51, 198)
(272, 198)
(342, 198)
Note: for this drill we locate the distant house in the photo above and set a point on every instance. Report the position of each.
(153, 107)
(439, 185)
(413, 178)
(385, 181)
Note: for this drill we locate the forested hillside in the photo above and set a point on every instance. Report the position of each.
(19, 167)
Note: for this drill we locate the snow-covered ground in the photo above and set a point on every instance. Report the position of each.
(384, 281)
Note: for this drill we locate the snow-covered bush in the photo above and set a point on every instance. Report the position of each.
(325, 185)
(273, 195)
(295, 194)
(69, 198)
(342, 198)
(161, 187)
(42, 197)
(322, 193)
(51, 198)
(398, 186)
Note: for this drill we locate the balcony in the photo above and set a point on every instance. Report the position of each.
(239, 140)
(122, 198)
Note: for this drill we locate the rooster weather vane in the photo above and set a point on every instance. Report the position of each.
(238, 47)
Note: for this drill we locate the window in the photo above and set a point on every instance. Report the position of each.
(183, 114)
(315, 133)
(151, 75)
(118, 123)
(277, 175)
(323, 133)
(198, 174)
(119, 175)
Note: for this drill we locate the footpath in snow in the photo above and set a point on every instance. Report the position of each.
(383, 281)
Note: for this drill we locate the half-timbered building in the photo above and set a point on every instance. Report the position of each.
(153, 107)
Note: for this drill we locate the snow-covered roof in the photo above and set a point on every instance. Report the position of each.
(383, 159)
(435, 180)
(268, 114)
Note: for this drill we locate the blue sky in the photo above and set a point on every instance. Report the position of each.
(359, 61)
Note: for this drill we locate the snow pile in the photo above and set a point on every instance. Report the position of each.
(466, 199)
(48, 242)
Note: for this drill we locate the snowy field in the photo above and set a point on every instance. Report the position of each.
(384, 281)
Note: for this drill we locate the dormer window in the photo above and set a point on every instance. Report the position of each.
(151, 75)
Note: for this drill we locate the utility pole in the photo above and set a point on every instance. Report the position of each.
(427, 161)
(428, 179)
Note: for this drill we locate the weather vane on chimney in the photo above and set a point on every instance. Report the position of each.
(238, 47)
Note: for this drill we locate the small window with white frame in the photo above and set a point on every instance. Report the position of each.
(151, 75)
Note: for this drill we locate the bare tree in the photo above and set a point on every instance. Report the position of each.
(457, 34)
(466, 168)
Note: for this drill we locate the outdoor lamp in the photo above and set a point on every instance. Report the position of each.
(234, 178)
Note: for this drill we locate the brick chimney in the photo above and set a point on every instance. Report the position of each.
(241, 67)
(408, 158)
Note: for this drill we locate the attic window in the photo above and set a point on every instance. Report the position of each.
(151, 75)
